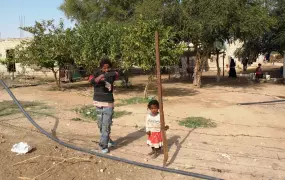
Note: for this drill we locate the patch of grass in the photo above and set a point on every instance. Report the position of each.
(91, 113)
(118, 114)
(122, 84)
(133, 100)
(197, 122)
(10, 108)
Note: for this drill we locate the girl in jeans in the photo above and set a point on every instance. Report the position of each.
(104, 101)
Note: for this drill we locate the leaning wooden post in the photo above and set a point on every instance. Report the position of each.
(165, 145)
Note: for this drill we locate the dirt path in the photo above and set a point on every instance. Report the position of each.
(50, 161)
(248, 142)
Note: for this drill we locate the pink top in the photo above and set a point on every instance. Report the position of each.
(258, 71)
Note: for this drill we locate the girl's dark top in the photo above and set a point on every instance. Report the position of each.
(101, 93)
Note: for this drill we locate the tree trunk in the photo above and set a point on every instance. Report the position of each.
(199, 66)
(284, 65)
(55, 77)
(198, 78)
(59, 81)
(196, 70)
(126, 78)
(224, 63)
(147, 86)
(218, 66)
(13, 76)
(146, 90)
(169, 73)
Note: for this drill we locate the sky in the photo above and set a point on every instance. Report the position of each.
(32, 10)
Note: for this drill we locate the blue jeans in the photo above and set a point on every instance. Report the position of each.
(104, 121)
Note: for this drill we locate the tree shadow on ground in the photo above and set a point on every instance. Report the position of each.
(179, 92)
(174, 140)
(240, 82)
(130, 138)
(82, 85)
(167, 91)
(172, 91)
(135, 88)
(211, 81)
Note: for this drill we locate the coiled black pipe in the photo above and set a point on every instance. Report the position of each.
(185, 173)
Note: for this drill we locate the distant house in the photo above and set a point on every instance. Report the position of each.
(6, 45)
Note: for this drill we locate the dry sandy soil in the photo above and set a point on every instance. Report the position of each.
(248, 142)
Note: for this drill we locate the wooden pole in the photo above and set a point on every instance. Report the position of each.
(223, 64)
(165, 145)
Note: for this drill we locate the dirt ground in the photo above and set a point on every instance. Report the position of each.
(248, 142)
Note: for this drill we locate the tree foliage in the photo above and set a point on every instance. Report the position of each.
(138, 45)
(99, 10)
(274, 40)
(49, 48)
(209, 21)
(95, 40)
(124, 31)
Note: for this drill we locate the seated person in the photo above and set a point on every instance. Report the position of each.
(258, 72)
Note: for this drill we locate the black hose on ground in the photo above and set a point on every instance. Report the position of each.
(263, 102)
(185, 173)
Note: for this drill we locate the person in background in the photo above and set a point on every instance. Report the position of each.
(258, 72)
(103, 81)
(232, 72)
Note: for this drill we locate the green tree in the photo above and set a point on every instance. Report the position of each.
(209, 21)
(49, 47)
(138, 46)
(93, 41)
(272, 37)
(99, 10)
(274, 40)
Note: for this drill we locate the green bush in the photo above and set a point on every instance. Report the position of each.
(197, 122)
(91, 113)
(9, 107)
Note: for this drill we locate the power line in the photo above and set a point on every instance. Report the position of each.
(22, 21)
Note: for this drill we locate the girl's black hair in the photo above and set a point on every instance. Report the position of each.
(105, 61)
(153, 102)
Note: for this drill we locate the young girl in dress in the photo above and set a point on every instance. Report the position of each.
(153, 129)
